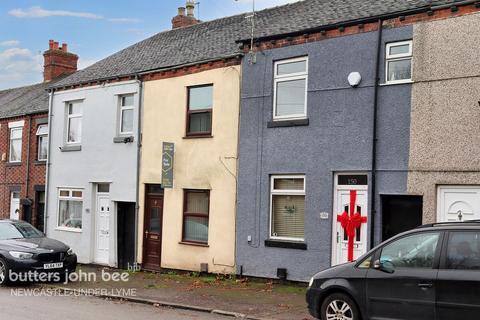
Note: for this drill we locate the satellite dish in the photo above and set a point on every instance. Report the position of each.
(354, 79)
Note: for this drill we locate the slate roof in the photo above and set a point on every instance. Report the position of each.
(24, 100)
(216, 39)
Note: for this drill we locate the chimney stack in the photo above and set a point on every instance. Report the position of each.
(58, 61)
(182, 20)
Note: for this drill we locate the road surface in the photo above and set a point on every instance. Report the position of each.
(41, 307)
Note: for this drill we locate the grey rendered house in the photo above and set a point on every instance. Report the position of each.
(319, 135)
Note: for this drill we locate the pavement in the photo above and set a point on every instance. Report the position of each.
(222, 294)
(16, 306)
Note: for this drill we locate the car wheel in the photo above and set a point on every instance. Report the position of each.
(339, 306)
(4, 272)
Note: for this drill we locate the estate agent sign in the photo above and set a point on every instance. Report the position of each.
(168, 149)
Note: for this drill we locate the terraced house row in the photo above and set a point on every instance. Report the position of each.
(202, 148)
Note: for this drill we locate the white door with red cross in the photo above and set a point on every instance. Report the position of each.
(341, 205)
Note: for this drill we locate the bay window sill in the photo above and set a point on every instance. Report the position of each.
(277, 243)
(288, 123)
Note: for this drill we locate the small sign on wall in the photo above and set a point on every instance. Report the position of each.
(324, 215)
(168, 150)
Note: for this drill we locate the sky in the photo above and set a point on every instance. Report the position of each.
(93, 29)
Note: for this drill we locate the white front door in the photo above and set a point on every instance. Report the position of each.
(15, 205)
(341, 205)
(458, 203)
(102, 221)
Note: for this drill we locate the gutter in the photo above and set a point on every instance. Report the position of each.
(50, 117)
(139, 154)
(373, 210)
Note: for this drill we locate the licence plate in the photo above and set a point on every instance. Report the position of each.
(57, 265)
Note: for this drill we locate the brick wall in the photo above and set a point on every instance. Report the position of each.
(16, 175)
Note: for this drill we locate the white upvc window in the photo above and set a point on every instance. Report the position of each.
(42, 141)
(126, 112)
(74, 122)
(287, 207)
(15, 143)
(398, 57)
(70, 208)
(290, 89)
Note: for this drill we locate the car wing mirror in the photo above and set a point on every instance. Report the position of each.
(385, 266)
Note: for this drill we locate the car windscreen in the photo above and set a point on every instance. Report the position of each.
(18, 231)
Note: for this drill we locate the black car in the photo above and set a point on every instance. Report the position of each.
(432, 272)
(27, 255)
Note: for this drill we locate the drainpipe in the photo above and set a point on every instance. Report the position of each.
(50, 117)
(374, 135)
(27, 172)
(139, 154)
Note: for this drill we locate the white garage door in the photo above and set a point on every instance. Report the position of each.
(458, 203)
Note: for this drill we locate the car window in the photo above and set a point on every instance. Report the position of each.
(8, 231)
(28, 231)
(463, 250)
(366, 263)
(414, 251)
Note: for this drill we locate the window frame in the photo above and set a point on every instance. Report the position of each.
(195, 214)
(188, 133)
(121, 110)
(281, 192)
(10, 143)
(289, 77)
(398, 57)
(70, 197)
(71, 116)
(40, 137)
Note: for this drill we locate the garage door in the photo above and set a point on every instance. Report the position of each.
(458, 203)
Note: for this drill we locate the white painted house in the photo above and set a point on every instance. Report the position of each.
(92, 171)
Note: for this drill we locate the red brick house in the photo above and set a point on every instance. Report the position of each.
(24, 140)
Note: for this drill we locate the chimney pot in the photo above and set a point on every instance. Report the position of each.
(50, 44)
(181, 11)
(190, 8)
(64, 47)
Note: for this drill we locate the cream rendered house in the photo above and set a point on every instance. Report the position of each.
(198, 113)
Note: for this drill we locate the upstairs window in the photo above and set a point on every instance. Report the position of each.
(74, 123)
(15, 153)
(126, 114)
(399, 62)
(42, 141)
(199, 110)
(290, 89)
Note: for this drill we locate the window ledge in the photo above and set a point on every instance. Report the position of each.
(198, 136)
(196, 244)
(68, 229)
(70, 148)
(288, 123)
(395, 83)
(285, 244)
(13, 164)
(123, 139)
(40, 162)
